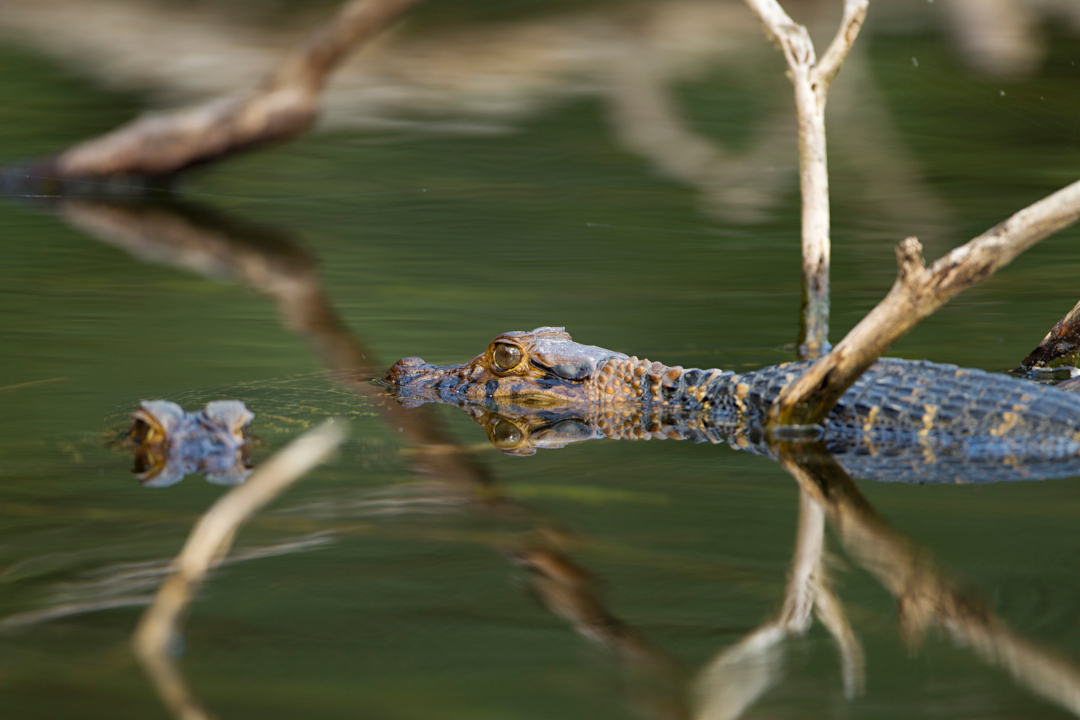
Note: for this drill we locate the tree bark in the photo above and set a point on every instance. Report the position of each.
(917, 293)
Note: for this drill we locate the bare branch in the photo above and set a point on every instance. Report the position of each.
(829, 65)
(208, 543)
(162, 144)
(811, 80)
(917, 293)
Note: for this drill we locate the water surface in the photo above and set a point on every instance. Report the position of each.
(373, 596)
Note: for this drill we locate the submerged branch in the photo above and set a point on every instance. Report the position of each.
(162, 144)
(917, 293)
(811, 80)
(209, 541)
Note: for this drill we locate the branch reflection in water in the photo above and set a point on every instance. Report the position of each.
(193, 239)
(737, 676)
(926, 594)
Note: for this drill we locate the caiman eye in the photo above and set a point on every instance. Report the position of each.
(505, 434)
(506, 357)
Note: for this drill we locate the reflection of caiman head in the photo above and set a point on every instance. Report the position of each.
(518, 430)
(544, 367)
(169, 443)
(523, 428)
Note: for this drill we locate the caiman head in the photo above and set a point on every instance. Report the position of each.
(540, 389)
(543, 367)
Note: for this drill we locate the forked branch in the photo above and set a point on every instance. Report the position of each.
(811, 79)
(917, 293)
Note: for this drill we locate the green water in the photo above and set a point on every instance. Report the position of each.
(431, 245)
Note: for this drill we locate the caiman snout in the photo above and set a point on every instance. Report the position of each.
(403, 371)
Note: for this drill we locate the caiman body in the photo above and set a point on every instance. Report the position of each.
(902, 420)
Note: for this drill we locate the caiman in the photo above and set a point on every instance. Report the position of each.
(911, 421)
(170, 444)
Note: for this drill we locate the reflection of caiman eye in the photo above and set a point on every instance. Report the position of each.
(505, 434)
(506, 357)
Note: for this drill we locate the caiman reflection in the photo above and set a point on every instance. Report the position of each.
(910, 421)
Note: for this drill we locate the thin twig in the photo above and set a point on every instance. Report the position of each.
(208, 543)
(830, 611)
(809, 545)
(811, 80)
(837, 52)
(917, 293)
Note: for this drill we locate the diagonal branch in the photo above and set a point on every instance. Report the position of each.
(917, 293)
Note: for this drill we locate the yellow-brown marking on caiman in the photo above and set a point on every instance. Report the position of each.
(1009, 421)
(870, 418)
(928, 419)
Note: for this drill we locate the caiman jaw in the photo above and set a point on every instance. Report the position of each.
(542, 367)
